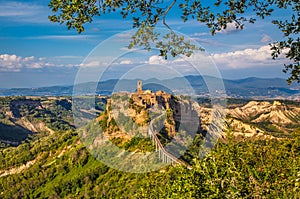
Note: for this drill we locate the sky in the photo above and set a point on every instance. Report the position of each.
(35, 52)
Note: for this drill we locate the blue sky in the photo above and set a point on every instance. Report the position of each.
(35, 52)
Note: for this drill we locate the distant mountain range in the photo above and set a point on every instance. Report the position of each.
(242, 88)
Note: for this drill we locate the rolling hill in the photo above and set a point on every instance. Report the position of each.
(255, 88)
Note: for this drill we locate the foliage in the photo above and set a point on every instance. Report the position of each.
(75, 13)
(103, 120)
(63, 168)
(138, 143)
(13, 134)
(216, 15)
(267, 169)
(31, 114)
(170, 119)
(60, 166)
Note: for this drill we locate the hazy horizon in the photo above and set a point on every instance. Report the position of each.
(71, 81)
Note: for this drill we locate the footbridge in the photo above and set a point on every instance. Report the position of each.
(164, 155)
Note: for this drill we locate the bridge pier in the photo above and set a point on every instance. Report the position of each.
(165, 156)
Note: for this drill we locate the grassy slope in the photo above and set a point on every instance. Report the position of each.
(64, 168)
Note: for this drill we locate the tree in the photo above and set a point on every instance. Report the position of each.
(146, 14)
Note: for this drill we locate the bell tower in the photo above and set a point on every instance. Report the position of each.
(140, 87)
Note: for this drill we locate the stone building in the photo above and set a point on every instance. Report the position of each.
(183, 113)
(148, 98)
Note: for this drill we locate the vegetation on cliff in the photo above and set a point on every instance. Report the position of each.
(59, 165)
(63, 168)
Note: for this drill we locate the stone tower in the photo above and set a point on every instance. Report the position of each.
(139, 87)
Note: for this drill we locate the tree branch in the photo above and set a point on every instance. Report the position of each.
(166, 13)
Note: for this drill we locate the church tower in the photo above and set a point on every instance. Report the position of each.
(139, 87)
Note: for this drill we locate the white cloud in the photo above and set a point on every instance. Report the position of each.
(91, 63)
(231, 27)
(15, 63)
(28, 59)
(10, 63)
(266, 38)
(126, 62)
(155, 59)
(34, 65)
(199, 34)
(248, 58)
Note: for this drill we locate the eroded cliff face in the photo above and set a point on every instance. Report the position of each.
(255, 119)
(34, 126)
(129, 114)
(260, 119)
(275, 112)
(24, 116)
